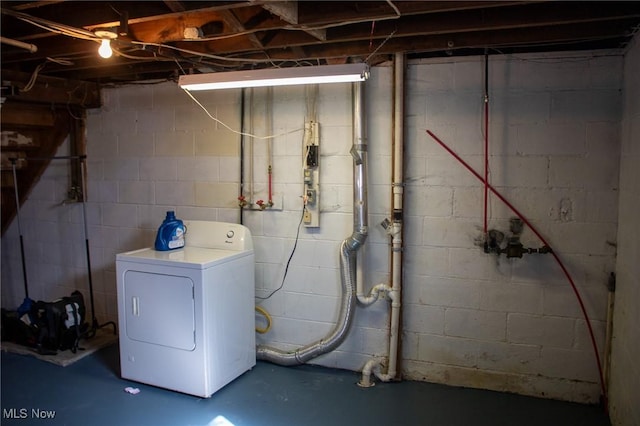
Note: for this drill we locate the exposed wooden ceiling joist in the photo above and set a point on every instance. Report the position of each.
(163, 38)
(288, 11)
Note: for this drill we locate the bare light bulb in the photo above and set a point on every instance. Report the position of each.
(105, 48)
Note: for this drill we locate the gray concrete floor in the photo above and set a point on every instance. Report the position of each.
(91, 393)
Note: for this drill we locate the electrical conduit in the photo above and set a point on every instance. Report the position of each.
(348, 252)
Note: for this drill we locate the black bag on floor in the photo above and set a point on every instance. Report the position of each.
(61, 323)
(17, 331)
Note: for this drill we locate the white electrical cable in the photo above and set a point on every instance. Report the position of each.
(83, 34)
(34, 76)
(312, 102)
(52, 26)
(236, 131)
(301, 27)
(395, 8)
(201, 54)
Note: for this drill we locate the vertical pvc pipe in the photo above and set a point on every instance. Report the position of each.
(398, 134)
(398, 194)
(395, 291)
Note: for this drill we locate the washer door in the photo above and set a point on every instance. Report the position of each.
(160, 309)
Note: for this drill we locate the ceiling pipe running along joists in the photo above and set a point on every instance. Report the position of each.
(32, 48)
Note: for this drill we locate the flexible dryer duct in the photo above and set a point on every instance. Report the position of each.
(348, 251)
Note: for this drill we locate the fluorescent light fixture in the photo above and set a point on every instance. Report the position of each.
(275, 77)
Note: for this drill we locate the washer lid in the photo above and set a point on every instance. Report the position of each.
(187, 257)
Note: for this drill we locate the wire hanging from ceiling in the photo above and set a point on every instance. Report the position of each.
(34, 75)
(226, 126)
(366, 61)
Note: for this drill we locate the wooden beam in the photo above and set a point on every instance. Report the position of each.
(511, 17)
(53, 90)
(35, 4)
(236, 26)
(175, 6)
(450, 42)
(188, 14)
(344, 12)
(24, 115)
(48, 139)
(288, 12)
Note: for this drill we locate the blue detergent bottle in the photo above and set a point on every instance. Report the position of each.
(170, 234)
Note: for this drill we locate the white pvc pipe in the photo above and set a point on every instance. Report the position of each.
(373, 295)
(394, 293)
(398, 194)
(32, 48)
(395, 296)
(368, 369)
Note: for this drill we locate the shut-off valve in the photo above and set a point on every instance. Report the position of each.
(513, 247)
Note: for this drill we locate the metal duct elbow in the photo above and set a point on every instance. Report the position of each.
(340, 330)
(356, 240)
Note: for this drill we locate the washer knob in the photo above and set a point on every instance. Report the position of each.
(230, 234)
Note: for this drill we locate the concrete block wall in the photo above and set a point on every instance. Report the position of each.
(625, 372)
(54, 242)
(480, 320)
(307, 306)
(470, 319)
(149, 149)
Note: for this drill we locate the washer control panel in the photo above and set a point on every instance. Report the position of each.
(220, 235)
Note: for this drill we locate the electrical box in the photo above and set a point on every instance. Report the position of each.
(311, 175)
(312, 156)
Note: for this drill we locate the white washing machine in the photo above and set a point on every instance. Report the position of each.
(187, 320)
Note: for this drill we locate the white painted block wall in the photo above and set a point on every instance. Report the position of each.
(625, 371)
(485, 321)
(470, 319)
